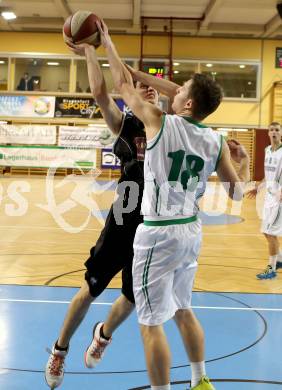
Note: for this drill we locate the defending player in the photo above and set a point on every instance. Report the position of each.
(109, 256)
(181, 154)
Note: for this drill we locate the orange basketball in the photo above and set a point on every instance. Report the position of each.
(81, 28)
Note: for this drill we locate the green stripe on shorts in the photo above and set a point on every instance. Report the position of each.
(146, 274)
(170, 221)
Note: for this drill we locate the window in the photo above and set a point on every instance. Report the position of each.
(3, 74)
(237, 80)
(42, 74)
(182, 71)
(82, 84)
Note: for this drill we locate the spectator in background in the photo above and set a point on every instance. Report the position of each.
(25, 83)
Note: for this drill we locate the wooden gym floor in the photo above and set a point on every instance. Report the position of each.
(43, 241)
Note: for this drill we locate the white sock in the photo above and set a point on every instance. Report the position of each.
(279, 256)
(164, 387)
(198, 370)
(272, 261)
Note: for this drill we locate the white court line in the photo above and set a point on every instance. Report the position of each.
(98, 230)
(45, 301)
(40, 227)
(109, 304)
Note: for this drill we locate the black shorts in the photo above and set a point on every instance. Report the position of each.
(112, 253)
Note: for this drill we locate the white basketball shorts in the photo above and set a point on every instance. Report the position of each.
(272, 220)
(164, 267)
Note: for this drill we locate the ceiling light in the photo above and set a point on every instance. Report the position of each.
(209, 65)
(176, 63)
(8, 15)
(106, 65)
(53, 63)
(97, 125)
(2, 62)
(250, 83)
(242, 66)
(176, 71)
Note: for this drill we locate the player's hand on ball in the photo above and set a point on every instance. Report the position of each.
(237, 151)
(78, 49)
(252, 193)
(104, 33)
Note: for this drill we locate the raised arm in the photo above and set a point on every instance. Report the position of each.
(226, 172)
(163, 86)
(149, 114)
(110, 111)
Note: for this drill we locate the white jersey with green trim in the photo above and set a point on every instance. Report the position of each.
(273, 175)
(178, 162)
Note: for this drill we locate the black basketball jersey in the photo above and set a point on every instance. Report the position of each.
(130, 147)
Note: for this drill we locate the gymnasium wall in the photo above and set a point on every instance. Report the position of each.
(238, 113)
(270, 74)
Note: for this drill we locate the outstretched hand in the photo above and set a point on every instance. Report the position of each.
(78, 49)
(104, 33)
(237, 151)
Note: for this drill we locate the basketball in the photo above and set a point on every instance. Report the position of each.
(81, 28)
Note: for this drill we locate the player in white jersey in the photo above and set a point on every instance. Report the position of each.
(181, 154)
(272, 210)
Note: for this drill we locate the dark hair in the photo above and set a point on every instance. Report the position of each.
(274, 124)
(206, 95)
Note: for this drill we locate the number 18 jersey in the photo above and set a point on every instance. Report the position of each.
(178, 162)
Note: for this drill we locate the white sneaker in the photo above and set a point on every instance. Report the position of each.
(96, 349)
(54, 371)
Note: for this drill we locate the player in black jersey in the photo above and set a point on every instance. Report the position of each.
(113, 251)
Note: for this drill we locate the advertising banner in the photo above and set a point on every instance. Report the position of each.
(27, 134)
(68, 107)
(109, 159)
(90, 137)
(45, 157)
(27, 106)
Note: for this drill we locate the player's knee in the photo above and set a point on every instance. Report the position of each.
(269, 237)
(146, 331)
(184, 315)
(95, 286)
(151, 333)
